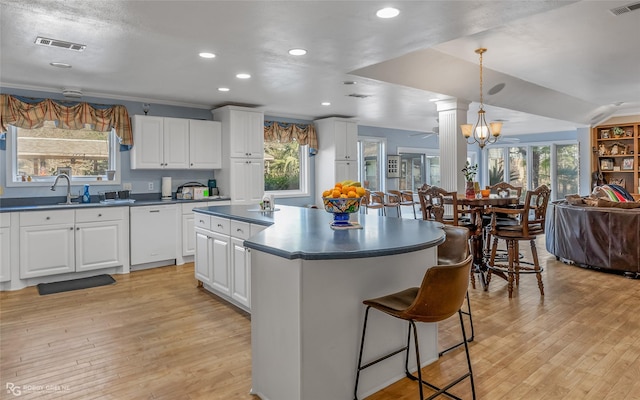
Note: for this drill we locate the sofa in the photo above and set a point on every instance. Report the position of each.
(598, 237)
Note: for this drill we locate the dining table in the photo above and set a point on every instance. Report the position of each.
(477, 207)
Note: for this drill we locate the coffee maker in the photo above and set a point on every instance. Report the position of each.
(213, 188)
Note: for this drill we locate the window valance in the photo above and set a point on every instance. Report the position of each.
(31, 113)
(304, 134)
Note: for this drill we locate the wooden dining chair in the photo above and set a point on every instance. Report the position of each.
(439, 205)
(531, 223)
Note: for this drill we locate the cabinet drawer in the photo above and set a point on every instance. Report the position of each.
(33, 218)
(5, 220)
(240, 230)
(202, 221)
(100, 214)
(221, 225)
(188, 207)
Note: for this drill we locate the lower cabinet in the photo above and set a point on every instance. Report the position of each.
(58, 242)
(5, 247)
(222, 262)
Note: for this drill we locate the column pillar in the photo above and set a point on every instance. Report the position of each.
(453, 146)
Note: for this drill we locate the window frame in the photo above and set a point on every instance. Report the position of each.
(11, 155)
(304, 177)
(382, 156)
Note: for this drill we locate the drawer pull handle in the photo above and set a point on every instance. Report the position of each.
(99, 215)
(202, 221)
(76, 229)
(239, 230)
(72, 228)
(154, 211)
(220, 226)
(48, 218)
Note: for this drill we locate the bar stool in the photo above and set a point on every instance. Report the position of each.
(372, 200)
(440, 295)
(455, 249)
(391, 201)
(405, 198)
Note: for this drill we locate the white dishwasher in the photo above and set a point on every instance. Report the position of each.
(153, 233)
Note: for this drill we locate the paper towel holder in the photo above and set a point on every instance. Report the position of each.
(166, 188)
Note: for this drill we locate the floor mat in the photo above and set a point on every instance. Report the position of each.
(75, 284)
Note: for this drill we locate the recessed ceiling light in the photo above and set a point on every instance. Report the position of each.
(243, 76)
(388, 12)
(60, 65)
(297, 52)
(207, 55)
(223, 89)
(325, 103)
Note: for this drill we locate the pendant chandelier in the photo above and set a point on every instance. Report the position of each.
(482, 133)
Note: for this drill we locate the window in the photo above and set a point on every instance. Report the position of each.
(37, 155)
(285, 168)
(530, 166)
(420, 166)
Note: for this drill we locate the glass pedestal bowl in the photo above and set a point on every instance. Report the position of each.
(341, 208)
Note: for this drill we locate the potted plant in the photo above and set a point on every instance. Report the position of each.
(470, 172)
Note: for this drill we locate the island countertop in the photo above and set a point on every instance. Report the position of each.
(305, 233)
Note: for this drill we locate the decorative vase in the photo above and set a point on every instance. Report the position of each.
(470, 192)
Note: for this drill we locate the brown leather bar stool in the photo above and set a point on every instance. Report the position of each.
(440, 296)
(453, 250)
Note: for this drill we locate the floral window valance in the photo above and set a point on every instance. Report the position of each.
(286, 132)
(31, 113)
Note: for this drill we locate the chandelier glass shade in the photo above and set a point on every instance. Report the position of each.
(481, 133)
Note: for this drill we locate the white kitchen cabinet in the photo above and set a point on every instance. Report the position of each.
(247, 138)
(247, 176)
(203, 259)
(242, 172)
(205, 144)
(63, 241)
(153, 233)
(175, 143)
(5, 247)
(222, 263)
(188, 224)
(47, 243)
(100, 238)
(337, 158)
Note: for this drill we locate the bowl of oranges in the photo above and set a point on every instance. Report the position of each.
(343, 199)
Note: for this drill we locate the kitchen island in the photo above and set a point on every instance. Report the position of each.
(308, 284)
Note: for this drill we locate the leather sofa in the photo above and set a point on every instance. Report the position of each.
(597, 237)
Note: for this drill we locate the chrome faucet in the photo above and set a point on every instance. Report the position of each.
(53, 187)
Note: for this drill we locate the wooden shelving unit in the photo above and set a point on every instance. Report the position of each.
(616, 151)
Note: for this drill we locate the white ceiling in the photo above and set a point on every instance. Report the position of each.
(563, 63)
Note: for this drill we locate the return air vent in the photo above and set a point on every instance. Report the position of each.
(625, 9)
(359, 95)
(59, 43)
(72, 93)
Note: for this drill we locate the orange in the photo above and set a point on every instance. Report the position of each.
(352, 195)
(360, 191)
(336, 193)
(343, 196)
(326, 193)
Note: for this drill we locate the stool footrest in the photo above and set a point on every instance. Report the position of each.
(393, 353)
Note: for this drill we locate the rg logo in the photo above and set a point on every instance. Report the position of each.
(13, 389)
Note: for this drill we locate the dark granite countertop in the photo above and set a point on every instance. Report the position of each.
(41, 204)
(296, 232)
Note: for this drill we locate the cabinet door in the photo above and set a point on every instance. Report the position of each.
(254, 175)
(246, 134)
(205, 144)
(188, 238)
(346, 139)
(46, 250)
(220, 251)
(148, 142)
(240, 272)
(346, 170)
(203, 260)
(176, 143)
(5, 254)
(99, 245)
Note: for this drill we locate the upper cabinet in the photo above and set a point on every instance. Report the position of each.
(175, 143)
(338, 136)
(246, 134)
(616, 157)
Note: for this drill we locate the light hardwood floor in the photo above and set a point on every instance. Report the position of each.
(154, 335)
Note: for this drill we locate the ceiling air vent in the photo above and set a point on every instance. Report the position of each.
(72, 93)
(59, 43)
(359, 96)
(625, 9)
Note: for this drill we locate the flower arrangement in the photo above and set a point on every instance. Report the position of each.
(470, 171)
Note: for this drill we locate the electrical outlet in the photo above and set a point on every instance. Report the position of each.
(127, 186)
(150, 185)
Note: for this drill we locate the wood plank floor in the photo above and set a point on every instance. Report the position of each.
(154, 335)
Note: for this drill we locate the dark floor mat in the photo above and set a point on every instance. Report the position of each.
(75, 284)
